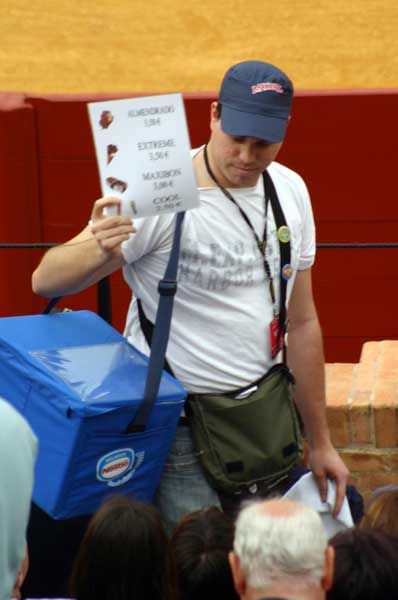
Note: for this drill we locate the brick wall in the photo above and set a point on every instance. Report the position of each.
(362, 402)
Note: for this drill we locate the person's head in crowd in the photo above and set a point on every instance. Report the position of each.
(281, 550)
(124, 554)
(366, 565)
(382, 510)
(18, 448)
(201, 543)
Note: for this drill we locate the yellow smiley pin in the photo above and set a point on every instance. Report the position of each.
(284, 234)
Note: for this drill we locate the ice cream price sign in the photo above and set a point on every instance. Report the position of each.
(143, 154)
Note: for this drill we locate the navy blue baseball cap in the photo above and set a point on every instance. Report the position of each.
(256, 99)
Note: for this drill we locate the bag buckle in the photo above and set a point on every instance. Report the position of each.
(167, 287)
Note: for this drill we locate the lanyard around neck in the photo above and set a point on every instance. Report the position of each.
(261, 244)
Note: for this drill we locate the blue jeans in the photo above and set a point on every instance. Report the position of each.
(183, 486)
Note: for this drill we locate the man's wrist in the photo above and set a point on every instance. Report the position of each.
(319, 441)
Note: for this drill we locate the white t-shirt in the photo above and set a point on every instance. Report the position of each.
(219, 338)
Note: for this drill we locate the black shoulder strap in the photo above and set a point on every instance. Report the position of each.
(104, 302)
(285, 253)
(50, 306)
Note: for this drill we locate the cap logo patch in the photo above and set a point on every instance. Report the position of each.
(267, 87)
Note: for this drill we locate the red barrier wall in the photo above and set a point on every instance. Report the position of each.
(19, 192)
(343, 143)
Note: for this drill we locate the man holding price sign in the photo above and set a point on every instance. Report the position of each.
(225, 334)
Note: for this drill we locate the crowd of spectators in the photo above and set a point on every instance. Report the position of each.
(276, 549)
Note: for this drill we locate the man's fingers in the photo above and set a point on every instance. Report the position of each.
(110, 232)
(99, 205)
(110, 244)
(327, 464)
(341, 487)
(113, 223)
(339, 498)
(110, 238)
(322, 485)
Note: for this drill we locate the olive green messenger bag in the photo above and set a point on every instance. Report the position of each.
(247, 444)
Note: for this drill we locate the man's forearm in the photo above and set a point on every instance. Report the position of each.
(69, 268)
(90, 256)
(306, 359)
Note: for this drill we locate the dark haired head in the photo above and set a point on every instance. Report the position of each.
(366, 565)
(201, 543)
(124, 554)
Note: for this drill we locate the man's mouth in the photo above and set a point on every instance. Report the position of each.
(246, 169)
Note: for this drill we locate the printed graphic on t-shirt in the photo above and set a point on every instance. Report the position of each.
(219, 266)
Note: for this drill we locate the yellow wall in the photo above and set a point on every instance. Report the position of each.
(186, 45)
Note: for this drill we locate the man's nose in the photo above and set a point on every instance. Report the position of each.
(247, 154)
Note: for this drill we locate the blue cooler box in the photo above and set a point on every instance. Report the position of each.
(78, 383)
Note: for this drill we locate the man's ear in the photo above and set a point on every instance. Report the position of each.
(327, 579)
(214, 116)
(237, 575)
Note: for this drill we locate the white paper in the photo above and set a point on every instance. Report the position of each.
(143, 154)
(305, 490)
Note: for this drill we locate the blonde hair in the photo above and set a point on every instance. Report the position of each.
(382, 512)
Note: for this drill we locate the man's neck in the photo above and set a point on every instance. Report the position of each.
(203, 179)
(287, 592)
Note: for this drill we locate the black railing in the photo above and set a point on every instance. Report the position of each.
(358, 245)
(319, 245)
(104, 304)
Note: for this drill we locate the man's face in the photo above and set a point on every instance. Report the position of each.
(238, 161)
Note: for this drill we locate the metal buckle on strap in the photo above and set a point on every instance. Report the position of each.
(167, 287)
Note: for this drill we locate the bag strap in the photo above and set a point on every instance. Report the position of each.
(51, 305)
(167, 288)
(147, 329)
(285, 254)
